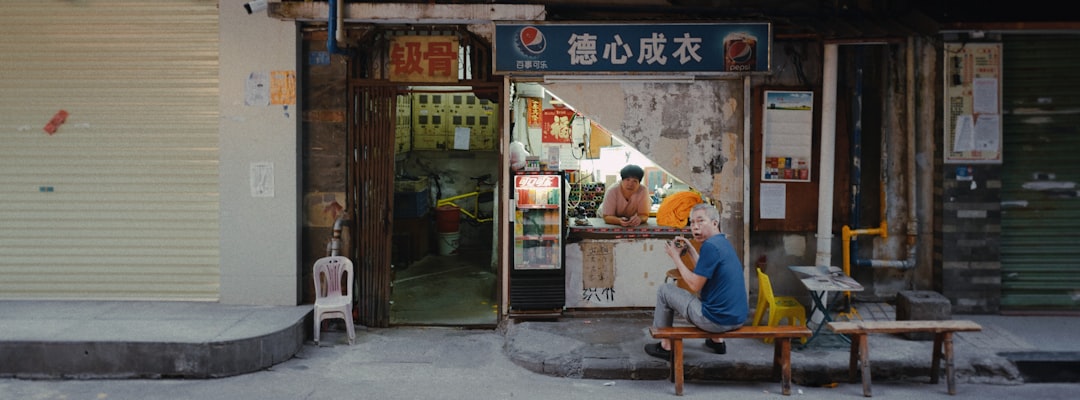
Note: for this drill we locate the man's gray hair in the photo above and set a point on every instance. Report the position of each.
(710, 211)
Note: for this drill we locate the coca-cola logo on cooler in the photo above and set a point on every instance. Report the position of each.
(537, 181)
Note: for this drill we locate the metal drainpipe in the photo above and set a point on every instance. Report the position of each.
(856, 159)
(334, 247)
(828, 156)
(335, 30)
(849, 234)
(913, 215)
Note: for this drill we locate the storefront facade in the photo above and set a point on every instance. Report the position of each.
(256, 244)
(898, 120)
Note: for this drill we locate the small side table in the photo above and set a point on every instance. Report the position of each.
(820, 280)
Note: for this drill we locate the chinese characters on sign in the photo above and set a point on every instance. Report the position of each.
(424, 59)
(534, 107)
(556, 125)
(548, 48)
(598, 271)
(650, 50)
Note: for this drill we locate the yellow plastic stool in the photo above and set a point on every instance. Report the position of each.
(782, 307)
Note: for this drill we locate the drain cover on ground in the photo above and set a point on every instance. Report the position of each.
(1046, 366)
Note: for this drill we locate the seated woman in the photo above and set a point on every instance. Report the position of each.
(628, 203)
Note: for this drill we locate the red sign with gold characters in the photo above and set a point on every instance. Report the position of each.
(535, 108)
(556, 125)
(424, 59)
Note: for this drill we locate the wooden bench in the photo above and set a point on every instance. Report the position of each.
(943, 345)
(781, 353)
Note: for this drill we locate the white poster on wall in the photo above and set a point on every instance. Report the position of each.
(773, 200)
(262, 179)
(461, 137)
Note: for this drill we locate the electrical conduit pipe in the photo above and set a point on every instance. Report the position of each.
(335, 21)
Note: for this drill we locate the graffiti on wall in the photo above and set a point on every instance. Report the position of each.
(598, 271)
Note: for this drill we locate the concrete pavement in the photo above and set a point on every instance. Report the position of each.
(610, 346)
(65, 339)
(117, 339)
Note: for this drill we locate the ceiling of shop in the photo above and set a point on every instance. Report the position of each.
(822, 19)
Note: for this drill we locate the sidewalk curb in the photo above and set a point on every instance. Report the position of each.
(612, 348)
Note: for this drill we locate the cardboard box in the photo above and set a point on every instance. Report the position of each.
(411, 186)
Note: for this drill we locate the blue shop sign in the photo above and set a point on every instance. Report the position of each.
(543, 48)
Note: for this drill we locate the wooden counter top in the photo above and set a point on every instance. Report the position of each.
(598, 229)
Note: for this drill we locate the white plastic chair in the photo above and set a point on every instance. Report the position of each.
(330, 302)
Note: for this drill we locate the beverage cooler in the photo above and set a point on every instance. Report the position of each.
(537, 278)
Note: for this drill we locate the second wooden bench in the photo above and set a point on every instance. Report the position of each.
(782, 336)
(943, 345)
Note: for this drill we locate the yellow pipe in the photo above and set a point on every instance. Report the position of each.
(846, 235)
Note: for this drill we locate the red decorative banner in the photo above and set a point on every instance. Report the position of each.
(534, 108)
(556, 125)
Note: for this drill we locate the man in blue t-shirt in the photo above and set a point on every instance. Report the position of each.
(717, 277)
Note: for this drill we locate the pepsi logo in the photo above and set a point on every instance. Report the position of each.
(532, 40)
(740, 51)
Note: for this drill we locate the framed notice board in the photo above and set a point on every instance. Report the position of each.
(785, 145)
(787, 133)
(973, 103)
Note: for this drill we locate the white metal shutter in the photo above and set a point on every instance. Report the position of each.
(122, 201)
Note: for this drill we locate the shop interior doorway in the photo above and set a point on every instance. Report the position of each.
(443, 261)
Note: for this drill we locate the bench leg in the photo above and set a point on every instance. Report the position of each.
(783, 346)
(853, 362)
(864, 361)
(677, 364)
(777, 361)
(935, 362)
(950, 371)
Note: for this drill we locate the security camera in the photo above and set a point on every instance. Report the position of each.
(255, 5)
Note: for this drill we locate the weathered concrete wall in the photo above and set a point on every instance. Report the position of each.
(886, 132)
(259, 236)
(927, 128)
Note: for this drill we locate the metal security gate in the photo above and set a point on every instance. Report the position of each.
(121, 200)
(1040, 226)
(371, 189)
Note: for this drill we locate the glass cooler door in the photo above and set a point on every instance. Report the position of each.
(538, 221)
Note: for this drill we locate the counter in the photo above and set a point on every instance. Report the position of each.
(613, 266)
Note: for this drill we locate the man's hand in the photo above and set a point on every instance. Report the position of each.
(671, 250)
(684, 247)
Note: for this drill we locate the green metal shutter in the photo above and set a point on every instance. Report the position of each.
(1040, 231)
(121, 202)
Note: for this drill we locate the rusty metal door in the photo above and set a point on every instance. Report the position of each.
(371, 181)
